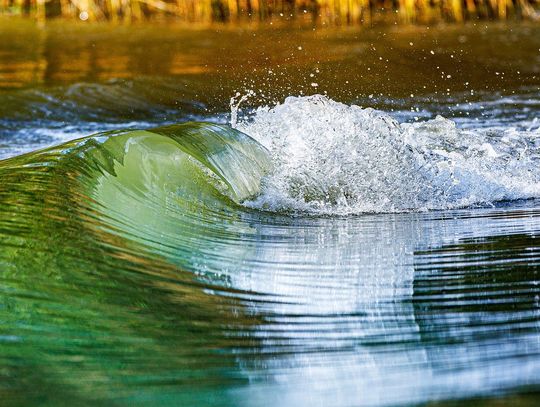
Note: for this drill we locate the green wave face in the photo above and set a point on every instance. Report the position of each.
(192, 156)
(146, 183)
(96, 238)
(188, 169)
(158, 186)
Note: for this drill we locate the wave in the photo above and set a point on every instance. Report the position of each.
(116, 100)
(179, 155)
(315, 156)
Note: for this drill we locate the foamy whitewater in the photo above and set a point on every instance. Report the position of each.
(331, 158)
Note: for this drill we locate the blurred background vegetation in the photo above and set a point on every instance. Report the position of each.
(332, 12)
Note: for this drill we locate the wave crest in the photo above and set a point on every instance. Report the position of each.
(332, 158)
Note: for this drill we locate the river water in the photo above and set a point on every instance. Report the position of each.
(269, 215)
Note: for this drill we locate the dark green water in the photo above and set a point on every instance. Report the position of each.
(136, 268)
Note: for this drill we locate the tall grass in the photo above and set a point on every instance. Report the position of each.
(325, 11)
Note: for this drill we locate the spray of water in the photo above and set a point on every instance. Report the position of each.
(332, 158)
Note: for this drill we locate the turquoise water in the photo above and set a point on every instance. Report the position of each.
(312, 253)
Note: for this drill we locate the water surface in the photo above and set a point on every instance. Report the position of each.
(166, 264)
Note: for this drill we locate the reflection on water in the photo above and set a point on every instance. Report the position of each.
(370, 319)
(346, 63)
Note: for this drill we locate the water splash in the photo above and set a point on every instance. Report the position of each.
(235, 103)
(332, 158)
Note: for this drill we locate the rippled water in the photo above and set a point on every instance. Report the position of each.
(294, 259)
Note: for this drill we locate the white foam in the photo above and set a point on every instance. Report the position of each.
(331, 158)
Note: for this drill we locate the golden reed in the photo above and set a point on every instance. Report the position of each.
(334, 12)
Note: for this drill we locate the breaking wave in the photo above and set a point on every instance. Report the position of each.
(335, 159)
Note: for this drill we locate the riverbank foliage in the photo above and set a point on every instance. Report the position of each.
(334, 12)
